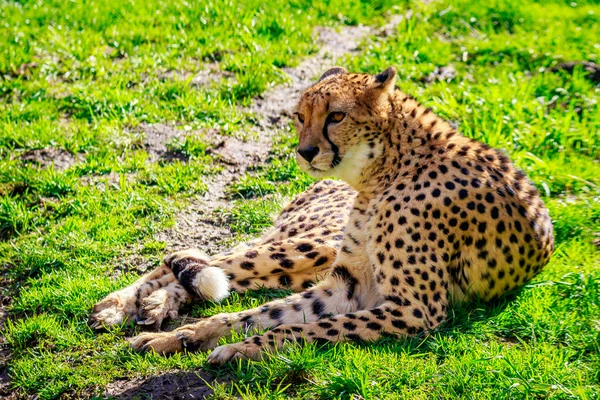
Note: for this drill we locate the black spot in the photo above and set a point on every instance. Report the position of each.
(304, 247)
(482, 227)
(349, 326)
(399, 324)
(321, 261)
(318, 307)
(501, 227)
(251, 254)
(277, 256)
(463, 194)
(307, 284)
(374, 326)
(449, 185)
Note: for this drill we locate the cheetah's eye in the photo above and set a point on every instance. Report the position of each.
(337, 116)
(300, 117)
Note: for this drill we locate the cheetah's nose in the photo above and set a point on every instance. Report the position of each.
(309, 152)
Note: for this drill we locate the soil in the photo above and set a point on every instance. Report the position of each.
(211, 73)
(199, 225)
(170, 386)
(592, 69)
(44, 158)
(158, 137)
(446, 74)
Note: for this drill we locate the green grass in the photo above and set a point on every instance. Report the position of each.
(84, 77)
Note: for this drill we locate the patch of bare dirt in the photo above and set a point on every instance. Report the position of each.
(110, 180)
(170, 386)
(62, 159)
(592, 69)
(158, 137)
(175, 75)
(25, 70)
(212, 73)
(199, 225)
(442, 74)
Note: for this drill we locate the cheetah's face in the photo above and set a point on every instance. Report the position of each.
(336, 119)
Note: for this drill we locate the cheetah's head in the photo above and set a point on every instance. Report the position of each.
(338, 122)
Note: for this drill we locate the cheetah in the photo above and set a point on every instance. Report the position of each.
(432, 218)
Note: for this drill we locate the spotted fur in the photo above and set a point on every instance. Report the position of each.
(435, 218)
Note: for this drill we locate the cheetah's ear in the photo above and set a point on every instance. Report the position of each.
(333, 71)
(386, 79)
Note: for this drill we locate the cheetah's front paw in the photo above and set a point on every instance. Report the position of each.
(236, 351)
(156, 308)
(111, 311)
(160, 342)
(203, 335)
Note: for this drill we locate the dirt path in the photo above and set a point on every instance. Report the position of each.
(198, 225)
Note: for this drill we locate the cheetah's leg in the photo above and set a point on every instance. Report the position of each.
(161, 304)
(123, 305)
(415, 299)
(291, 263)
(296, 264)
(334, 295)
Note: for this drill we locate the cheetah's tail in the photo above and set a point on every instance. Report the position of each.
(197, 276)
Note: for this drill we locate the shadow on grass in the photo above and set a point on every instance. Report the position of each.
(175, 385)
